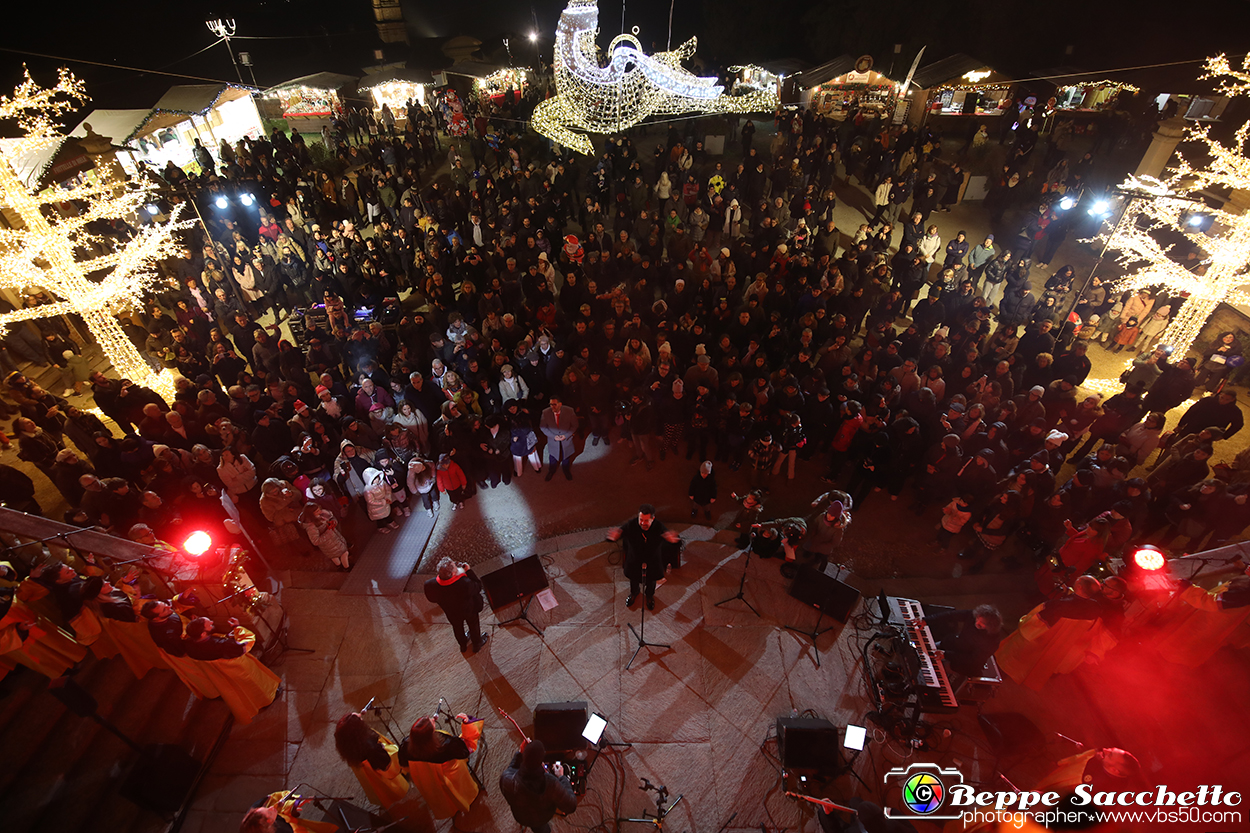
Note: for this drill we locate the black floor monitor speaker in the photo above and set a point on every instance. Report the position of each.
(559, 725)
(808, 746)
(161, 779)
(824, 592)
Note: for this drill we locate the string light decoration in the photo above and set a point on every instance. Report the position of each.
(1140, 244)
(90, 274)
(631, 87)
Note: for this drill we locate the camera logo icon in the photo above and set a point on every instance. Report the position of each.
(923, 791)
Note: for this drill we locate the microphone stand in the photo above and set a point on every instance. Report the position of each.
(742, 581)
(639, 634)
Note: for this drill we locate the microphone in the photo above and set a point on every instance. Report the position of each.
(369, 704)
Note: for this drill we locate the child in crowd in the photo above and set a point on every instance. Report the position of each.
(703, 490)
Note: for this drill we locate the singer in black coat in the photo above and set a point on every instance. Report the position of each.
(642, 539)
(458, 591)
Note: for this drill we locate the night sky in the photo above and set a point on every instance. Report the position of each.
(305, 36)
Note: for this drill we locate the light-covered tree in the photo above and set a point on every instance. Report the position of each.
(1143, 241)
(56, 244)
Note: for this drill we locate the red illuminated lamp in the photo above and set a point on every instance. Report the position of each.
(1149, 559)
(197, 543)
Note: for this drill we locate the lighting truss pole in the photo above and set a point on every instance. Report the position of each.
(225, 30)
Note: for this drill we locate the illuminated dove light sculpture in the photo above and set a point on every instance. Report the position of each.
(633, 85)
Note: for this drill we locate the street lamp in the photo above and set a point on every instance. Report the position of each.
(533, 37)
(225, 30)
(1134, 188)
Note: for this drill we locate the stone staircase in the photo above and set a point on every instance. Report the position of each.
(62, 772)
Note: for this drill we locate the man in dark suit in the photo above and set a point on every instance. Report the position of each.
(642, 539)
(560, 426)
(534, 794)
(458, 591)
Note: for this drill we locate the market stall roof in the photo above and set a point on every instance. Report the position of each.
(784, 66)
(29, 164)
(947, 69)
(115, 124)
(825, 72)
(474, 69)
(410, 76)
(317, 81)
(186, 100)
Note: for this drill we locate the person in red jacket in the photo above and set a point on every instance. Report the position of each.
(852, 419)
(450, 479)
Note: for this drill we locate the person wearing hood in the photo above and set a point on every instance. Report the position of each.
(349, 468)
(378, 499)
(280, 503)
(324, 531)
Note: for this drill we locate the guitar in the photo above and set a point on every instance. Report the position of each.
(824, 803)
(524, 737)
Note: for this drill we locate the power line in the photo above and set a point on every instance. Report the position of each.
(115, 66)
(193, 54)
(1109, 71)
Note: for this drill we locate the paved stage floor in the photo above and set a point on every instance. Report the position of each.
(699, 715)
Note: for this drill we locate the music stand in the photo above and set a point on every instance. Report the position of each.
(516, 582)
(742, 582)
(825, 593)
(642, 625)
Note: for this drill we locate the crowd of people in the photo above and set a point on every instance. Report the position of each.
(673, 302)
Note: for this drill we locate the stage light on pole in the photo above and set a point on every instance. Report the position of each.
(1066, 203)
(222, 203)
(152, 208)
(197, 543)
(246, 199)
(1149, 559)
(1100, 208)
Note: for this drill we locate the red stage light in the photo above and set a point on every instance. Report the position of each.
(1149, 559)
(197, 543)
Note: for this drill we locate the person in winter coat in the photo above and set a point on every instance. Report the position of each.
(995, 273)
(1017, 307)
(322, 529)
(421, 483)
(1218, 411)
(378, 499)
(703, 490)
(955, 515)
(956, 251)
(349, 468)
(1140, 441)
(1137, 306)
(1152, 328)
(1174, 385)
(450, 479)
(281, 503)
(1218, 361)
(980, 257)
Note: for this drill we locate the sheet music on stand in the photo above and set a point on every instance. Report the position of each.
(547, 599)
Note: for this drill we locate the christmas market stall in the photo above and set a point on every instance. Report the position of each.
(395, 88)
(845, 86)
(777, 77)
(493, 83)
(308, 102)
(946, 92)
(212, 113)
